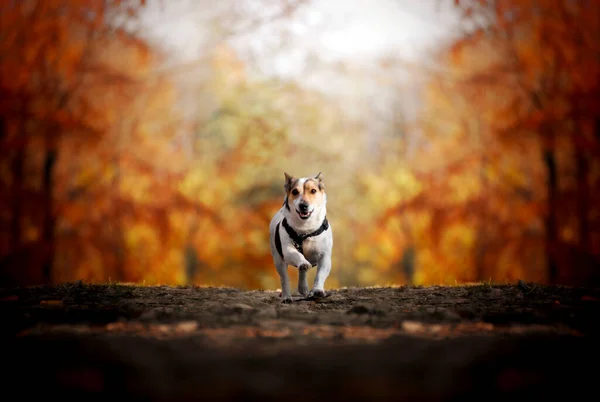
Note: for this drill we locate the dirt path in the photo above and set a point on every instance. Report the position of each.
(406, 343)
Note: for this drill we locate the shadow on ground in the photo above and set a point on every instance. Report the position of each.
(403, 343)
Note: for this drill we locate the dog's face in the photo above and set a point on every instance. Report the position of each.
(305, 195)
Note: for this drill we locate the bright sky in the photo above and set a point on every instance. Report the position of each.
(355, 32)
(331, 29)
(309, 46)
(368, 27)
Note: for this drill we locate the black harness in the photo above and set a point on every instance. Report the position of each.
(297, 239)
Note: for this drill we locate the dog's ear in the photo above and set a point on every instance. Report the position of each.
(288, 182)
(319, 179)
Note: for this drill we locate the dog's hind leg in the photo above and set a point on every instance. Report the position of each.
(323, 270)
(282, 270)
(302, 283)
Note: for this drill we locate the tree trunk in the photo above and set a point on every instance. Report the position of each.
(118, 231)
(48, 237)
(480, 252)
(583, 199)
(409, 257)
(120, 252)
(408, 264)
(481, 243)
(17, 168)
(191, 263)
(551, 222)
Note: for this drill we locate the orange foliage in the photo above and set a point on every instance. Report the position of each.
(105, 176)
(509, 180)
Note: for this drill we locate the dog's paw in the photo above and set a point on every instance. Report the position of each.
(287, 300)
(304, 267)
(316, 293)
(303, 289)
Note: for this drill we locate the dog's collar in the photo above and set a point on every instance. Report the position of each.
(297, 239)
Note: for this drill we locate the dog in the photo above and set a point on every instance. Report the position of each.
(301, 235)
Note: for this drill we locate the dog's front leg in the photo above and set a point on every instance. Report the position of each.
(295, 258)
(302, 283)
(282, 270)
(323, 270)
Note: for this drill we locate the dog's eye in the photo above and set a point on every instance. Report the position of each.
(313, 191)
(295, 191)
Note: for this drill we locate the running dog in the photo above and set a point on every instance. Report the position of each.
(300, 235)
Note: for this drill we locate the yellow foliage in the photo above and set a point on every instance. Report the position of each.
(147, 187)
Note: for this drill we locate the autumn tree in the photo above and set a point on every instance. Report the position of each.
(119, 164)
(126, 193)
(508, 154)
(546, 53)
(49, 63)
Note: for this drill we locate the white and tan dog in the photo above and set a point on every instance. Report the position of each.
(300, 235)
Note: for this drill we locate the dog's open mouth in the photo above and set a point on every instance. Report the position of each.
(304, 215)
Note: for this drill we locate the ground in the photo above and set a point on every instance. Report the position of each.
(399, 343)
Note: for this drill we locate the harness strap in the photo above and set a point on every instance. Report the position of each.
(278, 241)
(297, 239)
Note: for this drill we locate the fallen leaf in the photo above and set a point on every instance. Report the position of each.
(10, 298)
(589, 298)
(52, 302)
(412, 326)
(162, 328)
(242, 307)
(186, 326)
(115, 326)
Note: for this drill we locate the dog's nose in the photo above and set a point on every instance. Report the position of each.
(303, 207)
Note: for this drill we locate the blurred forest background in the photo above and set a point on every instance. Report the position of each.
(145, 141)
